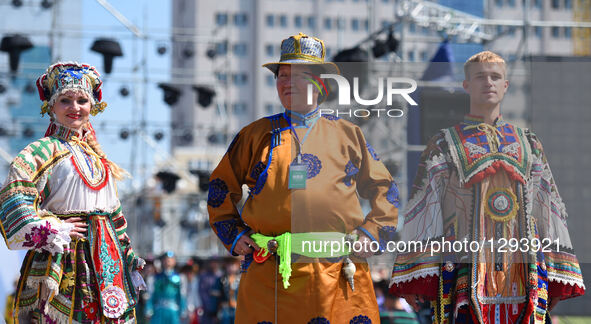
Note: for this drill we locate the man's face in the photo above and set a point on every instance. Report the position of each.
(486, 84)
(292, 88)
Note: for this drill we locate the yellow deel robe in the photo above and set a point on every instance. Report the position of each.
(341, 165)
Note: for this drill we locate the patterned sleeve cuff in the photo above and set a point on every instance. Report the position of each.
(371, 237)
(138, 281)
(61, 235)
(366, 232)
(236, 240)
(564, 291)
(426, 287)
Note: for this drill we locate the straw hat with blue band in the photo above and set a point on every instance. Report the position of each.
(303, 49)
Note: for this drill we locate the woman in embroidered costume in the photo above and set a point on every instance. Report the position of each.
(60, 202)
(485, 181)
(321, 202)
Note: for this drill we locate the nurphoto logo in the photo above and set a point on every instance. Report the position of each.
(344, 97)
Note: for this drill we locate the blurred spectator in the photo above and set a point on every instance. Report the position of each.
(166, 304)
(144, 295)
(9, 306)
(393, 310)
(190, 280)
(210, 298)
(227, 288)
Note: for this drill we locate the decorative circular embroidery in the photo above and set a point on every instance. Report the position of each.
(256, 172)
(313, 162)
(114, 302)
(501, 204)
(360, 319)
(319, 320)
(217, 192)
(226, 230)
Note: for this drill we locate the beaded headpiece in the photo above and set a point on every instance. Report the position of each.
(63, 76)
(303, 49)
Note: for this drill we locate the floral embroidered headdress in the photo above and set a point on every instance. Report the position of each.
(63, 76)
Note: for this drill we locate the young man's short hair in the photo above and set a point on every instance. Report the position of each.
(484, 57)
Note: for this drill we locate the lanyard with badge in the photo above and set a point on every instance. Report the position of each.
(298, 170)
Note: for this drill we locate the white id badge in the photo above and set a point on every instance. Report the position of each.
(298, 173)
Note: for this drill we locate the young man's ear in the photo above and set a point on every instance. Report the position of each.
(465, 85)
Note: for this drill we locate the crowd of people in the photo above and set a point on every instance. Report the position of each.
(203, 291)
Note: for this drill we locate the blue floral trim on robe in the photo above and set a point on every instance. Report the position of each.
(360, 319)
(260, 181)
(386, 234)
(351, 170)
(217, 192)
(226, 230)
(372, 152)
(319, 320)
(244, 264)
(313, 162)
(393, 195)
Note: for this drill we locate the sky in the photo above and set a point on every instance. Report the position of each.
(125, 112)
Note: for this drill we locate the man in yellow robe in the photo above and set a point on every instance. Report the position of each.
(338, 165)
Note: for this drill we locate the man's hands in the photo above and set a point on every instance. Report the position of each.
(245, 244)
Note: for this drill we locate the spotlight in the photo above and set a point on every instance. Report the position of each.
(168, 180)
(188, 52)
(161, 49)
(211, 52)
(158, 136)
(123, 91)
(350, 71)
(380, 48)
(28, 132)
(46, 4)
(203, 180)
(187, 137)
(29, 88)
(392, 42)
(124, 134)
(109, 49)
(14, 45)
(171, 93)
(204, 95)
